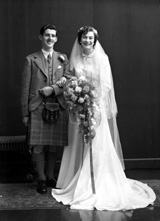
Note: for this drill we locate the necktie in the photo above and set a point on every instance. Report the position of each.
(49, 58)
(50, 74)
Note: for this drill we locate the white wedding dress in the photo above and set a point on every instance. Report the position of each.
(113, 191)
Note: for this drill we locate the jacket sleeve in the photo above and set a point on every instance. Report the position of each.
(25, 87)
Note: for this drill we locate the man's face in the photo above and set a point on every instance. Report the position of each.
(48, 39)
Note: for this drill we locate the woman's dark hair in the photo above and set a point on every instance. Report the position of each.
(84, 30)
(47, 26)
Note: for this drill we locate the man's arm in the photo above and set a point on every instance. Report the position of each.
(25, 88)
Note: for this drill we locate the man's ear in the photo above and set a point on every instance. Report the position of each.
(40, 37)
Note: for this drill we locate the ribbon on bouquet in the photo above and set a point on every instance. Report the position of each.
(91, 168)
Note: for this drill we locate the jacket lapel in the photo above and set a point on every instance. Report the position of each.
(39, 60)
(54, 61)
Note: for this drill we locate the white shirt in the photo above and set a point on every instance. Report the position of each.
(46, 53)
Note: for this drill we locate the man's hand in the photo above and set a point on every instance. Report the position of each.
(25, 120)
(46, 91)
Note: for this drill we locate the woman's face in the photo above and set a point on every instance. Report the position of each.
(87, 41)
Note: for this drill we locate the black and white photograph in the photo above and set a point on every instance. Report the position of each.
(80, 110)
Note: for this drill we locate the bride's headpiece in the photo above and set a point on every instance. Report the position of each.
(88, 27)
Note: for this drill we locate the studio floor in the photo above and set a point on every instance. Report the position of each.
(19, 201)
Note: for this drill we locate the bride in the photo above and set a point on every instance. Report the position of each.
(94, 178)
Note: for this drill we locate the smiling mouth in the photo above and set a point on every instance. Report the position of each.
(87, 44)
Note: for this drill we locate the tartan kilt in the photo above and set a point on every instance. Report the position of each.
(43, 133)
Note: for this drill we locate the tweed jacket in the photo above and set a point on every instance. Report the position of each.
(35, 77)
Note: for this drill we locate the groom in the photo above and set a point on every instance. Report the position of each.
(41, 72)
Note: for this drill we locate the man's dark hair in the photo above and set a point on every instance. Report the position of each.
(47, 26)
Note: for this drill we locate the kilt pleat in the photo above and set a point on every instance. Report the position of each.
(44, 133)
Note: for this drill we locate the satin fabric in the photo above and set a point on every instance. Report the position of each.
(113, 190)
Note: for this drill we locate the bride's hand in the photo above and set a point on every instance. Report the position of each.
(61, 82)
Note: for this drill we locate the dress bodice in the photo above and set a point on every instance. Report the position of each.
(87, 66)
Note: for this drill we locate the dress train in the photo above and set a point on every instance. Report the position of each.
(114, 191)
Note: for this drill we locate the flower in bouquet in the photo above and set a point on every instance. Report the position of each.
(82, 104)
(78, 89)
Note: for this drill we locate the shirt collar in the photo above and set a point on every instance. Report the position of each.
(46, 53)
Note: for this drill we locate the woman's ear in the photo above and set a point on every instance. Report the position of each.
(56, 39)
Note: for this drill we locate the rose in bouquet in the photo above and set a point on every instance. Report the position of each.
(82, 105)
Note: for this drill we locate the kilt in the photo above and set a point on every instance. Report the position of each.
(43, 133)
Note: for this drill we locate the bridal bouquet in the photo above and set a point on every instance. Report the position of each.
(82, 104)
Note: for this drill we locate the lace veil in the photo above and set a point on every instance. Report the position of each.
(107, 95)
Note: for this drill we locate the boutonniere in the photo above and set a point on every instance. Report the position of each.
(61, 58)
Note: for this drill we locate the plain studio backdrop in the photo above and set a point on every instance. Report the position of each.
(129, 32)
